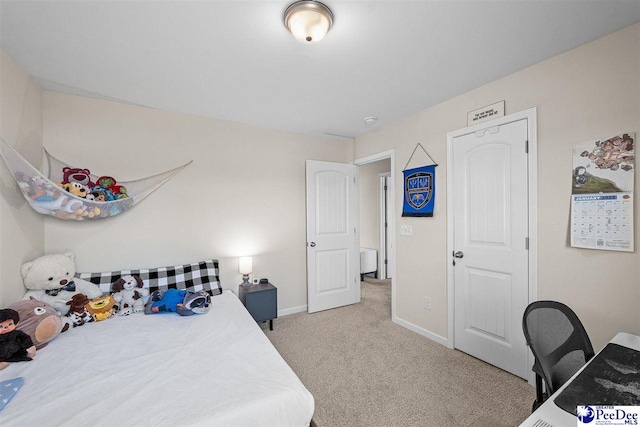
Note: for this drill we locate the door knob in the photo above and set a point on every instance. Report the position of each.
(458, 254)
(312, 244)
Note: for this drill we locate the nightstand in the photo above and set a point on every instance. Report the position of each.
(261, 301)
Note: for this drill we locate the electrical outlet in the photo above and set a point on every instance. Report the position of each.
(406, 230)
(427, 303)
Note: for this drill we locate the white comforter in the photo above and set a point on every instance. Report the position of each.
(216, 369)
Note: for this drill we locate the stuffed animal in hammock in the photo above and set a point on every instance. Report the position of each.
(15, 345)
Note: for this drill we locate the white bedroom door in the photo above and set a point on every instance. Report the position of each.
(490, 184)
(333, 258)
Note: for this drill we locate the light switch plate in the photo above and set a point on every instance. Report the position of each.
(406, 230)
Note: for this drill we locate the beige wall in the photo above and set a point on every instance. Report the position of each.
(370, 203)
(21, 229)
(589, 92)
(244, 193)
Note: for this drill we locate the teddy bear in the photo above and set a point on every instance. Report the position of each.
(83, 176)
(38, 320)
(129, 294)
(50, 279)
(15, 345)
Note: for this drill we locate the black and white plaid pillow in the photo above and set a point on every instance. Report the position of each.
(201, 276)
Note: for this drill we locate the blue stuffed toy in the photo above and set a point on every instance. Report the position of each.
(164, 301)
(184, 303)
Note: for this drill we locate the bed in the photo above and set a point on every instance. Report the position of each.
(214, 369)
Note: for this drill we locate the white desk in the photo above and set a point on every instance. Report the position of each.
(549, 414)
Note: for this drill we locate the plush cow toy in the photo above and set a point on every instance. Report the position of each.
(78, 314)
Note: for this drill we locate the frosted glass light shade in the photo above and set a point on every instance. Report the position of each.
(308, 20)
(245, 265)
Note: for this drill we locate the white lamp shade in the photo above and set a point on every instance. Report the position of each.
(245, 265)
(308, 26)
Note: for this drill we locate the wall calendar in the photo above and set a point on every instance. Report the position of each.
(602, 194)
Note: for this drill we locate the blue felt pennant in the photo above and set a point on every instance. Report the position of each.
(419, 191)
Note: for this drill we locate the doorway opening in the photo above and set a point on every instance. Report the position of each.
(377, 218)
(384, 182)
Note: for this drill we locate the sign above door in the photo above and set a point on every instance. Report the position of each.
(489, 112)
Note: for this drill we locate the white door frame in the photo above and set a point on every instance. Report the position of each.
(383, 231)
(531, 116)
(388, 154)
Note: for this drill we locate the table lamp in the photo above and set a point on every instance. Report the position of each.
(245, 266)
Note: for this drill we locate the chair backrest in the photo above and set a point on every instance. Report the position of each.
(558, 341)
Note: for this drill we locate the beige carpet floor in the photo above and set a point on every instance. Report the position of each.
(364, 370)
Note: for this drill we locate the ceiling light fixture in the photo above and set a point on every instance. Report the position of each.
(308, 20)
(370, 120)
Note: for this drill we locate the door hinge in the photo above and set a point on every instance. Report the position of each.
(385, 187)
(526, 146)
(354, 230)
(526, 243)
(386, 262)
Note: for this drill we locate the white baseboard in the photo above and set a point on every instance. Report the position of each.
(425, 333)
(292, 310)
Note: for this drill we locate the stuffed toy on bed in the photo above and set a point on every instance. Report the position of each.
(194, 303)
(102, 308)
(78, 314)
(50, 279)
(15, 345)
(38, 320)
(129, 294)
(185, 303)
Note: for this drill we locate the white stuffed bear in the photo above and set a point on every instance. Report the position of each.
(129, 294)
(50, 279)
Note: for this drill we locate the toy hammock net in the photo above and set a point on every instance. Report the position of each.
(45, 196)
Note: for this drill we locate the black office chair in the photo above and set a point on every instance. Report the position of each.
(559, 343)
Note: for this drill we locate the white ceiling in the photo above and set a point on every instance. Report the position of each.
(234, 60)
